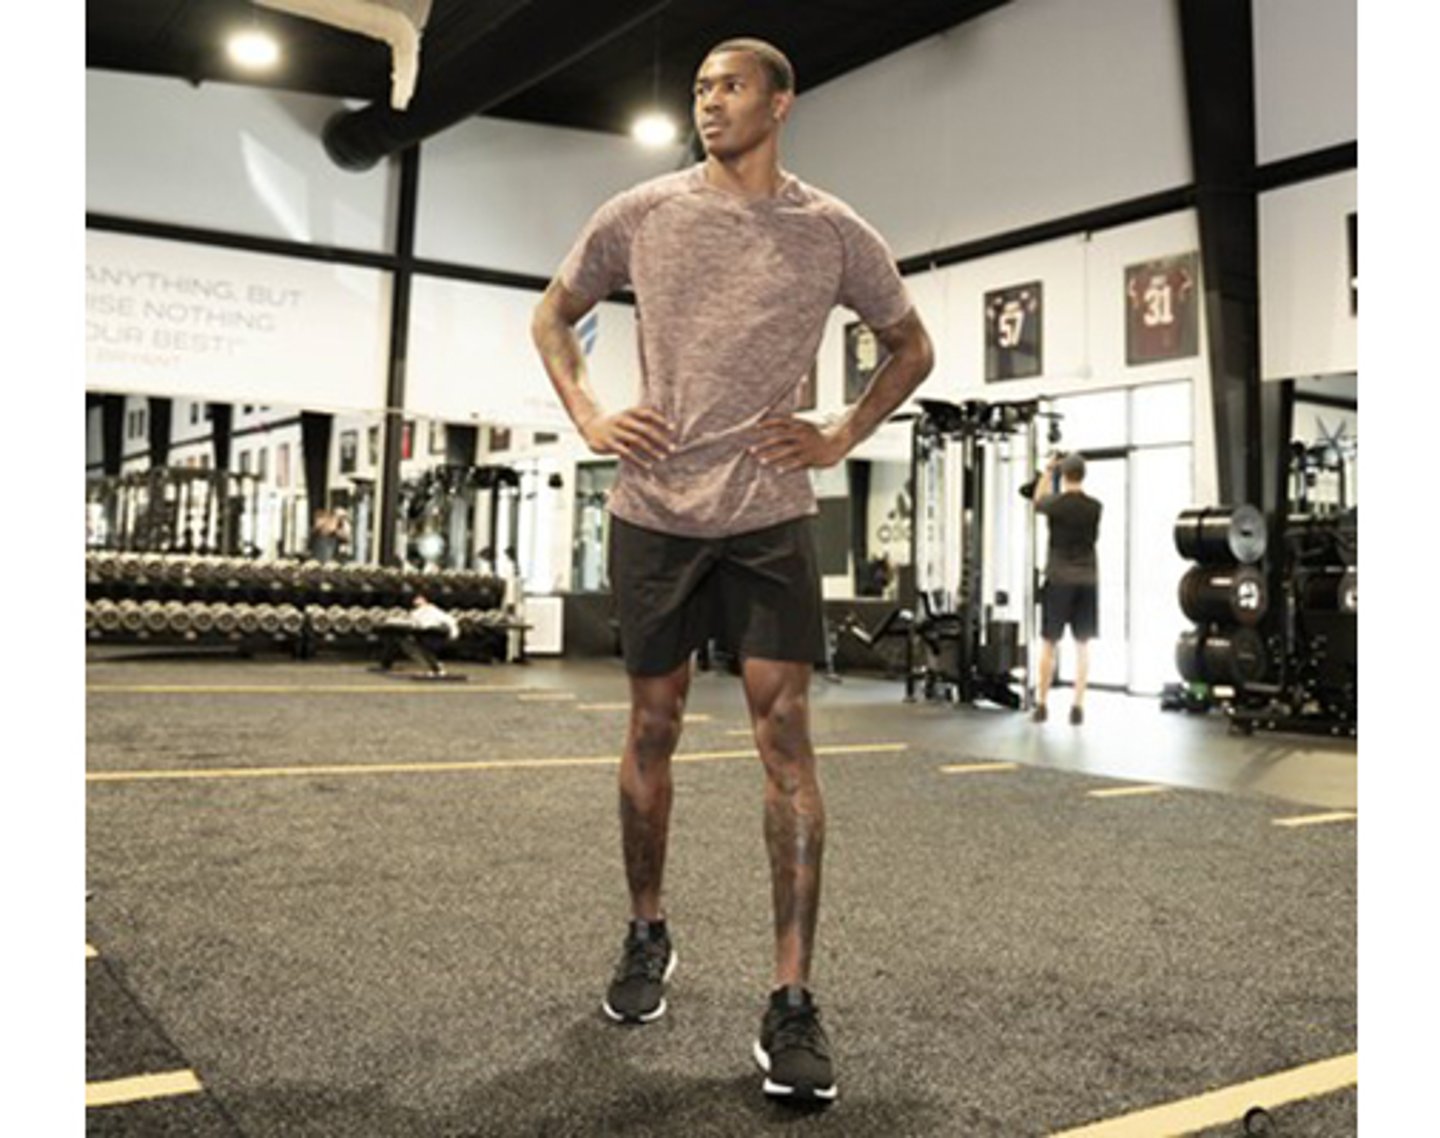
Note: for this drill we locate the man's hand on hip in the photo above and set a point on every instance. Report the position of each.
(639, 435)
(787, 444)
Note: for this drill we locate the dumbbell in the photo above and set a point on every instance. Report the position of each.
(153, 617)
(267, 619)
(1232, 657)
(202, 617)
(319, 618)
(1233, 594)
(107, 615)
(292, 620)
(177, 617)
(362, 619)
(247, 619)
(227, 619)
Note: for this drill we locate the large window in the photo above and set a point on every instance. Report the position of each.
(1138, 443)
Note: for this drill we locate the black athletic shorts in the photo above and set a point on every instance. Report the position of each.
(756, 594)
(1075, 605)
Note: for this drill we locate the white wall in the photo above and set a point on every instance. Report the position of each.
(514, 196)
(1306, 327)
(471, 359)
(1036, 110)
(228, 157)
(1305, 76)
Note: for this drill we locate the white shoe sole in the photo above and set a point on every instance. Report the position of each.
(649, 1017)
(780, 1090)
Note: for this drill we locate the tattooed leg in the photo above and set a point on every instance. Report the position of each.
(657, 705)
(778, 694)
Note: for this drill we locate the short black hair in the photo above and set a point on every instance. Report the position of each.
(772, 60)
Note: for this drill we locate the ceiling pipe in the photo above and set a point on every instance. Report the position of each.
(540, 39)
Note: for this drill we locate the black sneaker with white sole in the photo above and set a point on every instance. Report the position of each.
(793, 1049)
(637, 993)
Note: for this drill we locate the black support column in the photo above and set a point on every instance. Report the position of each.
(159, 430)
(316, 428)
(112, 433)
(222, 430)
(399, 340)
(1220, 96)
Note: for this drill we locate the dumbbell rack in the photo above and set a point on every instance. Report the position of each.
(298, 606)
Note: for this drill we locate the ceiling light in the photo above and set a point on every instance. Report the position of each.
(253, 49)
(654, 129)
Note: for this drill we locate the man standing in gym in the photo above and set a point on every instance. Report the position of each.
(1071, 576)
(735, 265)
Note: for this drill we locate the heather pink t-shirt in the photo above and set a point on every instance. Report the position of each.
(732, 297)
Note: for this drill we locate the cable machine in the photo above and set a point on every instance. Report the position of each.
(973, 551)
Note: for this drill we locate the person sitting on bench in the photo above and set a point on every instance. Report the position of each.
(420, 636)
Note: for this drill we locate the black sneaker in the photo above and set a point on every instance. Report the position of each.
(1039, 714)
(793, 1050)
(1077, 715)
(637, 994)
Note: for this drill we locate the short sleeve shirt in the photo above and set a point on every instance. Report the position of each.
(732, 297)
(1074, 520)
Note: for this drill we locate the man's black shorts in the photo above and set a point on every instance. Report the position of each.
(756, 594)
(1075, 605)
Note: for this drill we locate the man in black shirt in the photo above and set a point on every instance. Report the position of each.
(1071, 576)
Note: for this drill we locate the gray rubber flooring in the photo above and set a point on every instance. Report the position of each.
(423, 952)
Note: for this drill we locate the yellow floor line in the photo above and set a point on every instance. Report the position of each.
(1228, 1104)
(690, 717)
(91, 952)
(740, 731)
(296, 689)
(979, 768)
(548, 697)
(1127, 791)
(1316, 819)
(112, 1092)
(432, 768)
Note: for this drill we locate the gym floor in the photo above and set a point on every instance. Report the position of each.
(328, 902)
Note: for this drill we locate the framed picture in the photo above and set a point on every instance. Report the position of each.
(864, 354)
(282, 465)
(499, 439)
(437, 437)
(808, 395)
(1162, 320)
(372, 445)
(1012, 332)
(407, 439)
(349, 449)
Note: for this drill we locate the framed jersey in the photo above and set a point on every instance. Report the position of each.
(1162, 318)
(864, 353)
(1012, 332)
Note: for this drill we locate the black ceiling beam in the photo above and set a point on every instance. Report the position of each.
(539, 39)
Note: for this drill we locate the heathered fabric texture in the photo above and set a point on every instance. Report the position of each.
(732, 297)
